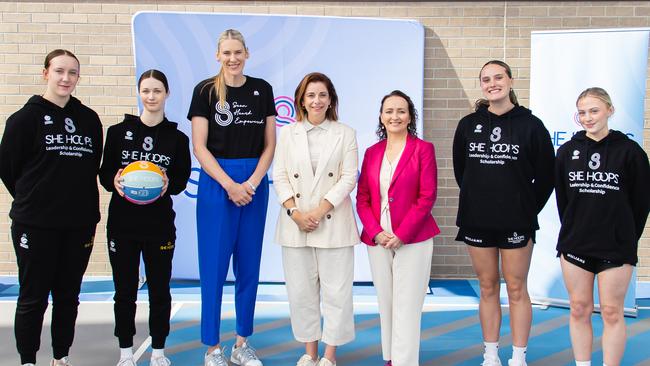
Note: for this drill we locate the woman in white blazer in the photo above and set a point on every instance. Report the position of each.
(314, 171)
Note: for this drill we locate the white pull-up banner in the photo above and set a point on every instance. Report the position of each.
(563, 64)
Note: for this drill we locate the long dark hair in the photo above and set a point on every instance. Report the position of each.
(155, 74)
(56, 53)
(412, 127)
(513, 97)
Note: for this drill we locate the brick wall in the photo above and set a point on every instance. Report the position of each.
(460, 37)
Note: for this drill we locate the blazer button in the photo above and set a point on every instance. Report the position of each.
(329, 216)
(330, 174)
(296, 175)
(390, 199)
(297, 195)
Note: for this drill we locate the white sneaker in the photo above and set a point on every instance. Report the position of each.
(126, 362)
(216, 358)
(244, 355)
(490, 361)
(160, 361)
(306, 360)
(512, 363)
(65, 361)
(325, 362)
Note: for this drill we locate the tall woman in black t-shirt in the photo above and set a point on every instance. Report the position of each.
(49, 158)
(144, 229)
(233, 135)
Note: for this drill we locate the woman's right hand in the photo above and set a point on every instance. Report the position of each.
(238, 194)
(305, 222)
(117, 182)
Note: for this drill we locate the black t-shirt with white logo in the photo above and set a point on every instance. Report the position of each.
(235, 130)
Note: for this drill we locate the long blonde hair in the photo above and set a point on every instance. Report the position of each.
(219, 82)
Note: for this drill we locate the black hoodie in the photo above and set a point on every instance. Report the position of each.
(504, 168)
(164, 145)
(49, 158)
(602, 196)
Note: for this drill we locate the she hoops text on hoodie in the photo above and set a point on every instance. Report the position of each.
(504, 168)
(49, 161)
(602, 196)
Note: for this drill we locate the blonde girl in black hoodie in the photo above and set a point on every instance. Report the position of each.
(49, 158)
(144, 229)
(503, 164)
(601, 183)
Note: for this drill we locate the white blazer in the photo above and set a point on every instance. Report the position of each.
(334, 179)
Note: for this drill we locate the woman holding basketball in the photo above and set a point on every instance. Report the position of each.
(146, 230)
(601, 224)
(503, 163)
(233, 134)
(49, 159)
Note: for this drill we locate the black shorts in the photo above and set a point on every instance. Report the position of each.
(590, 264)
(495, 239)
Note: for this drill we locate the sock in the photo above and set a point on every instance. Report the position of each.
(583, 363)
(215, 352)
(126, 353)
(157, 353)
(518, 354)
(492, 349)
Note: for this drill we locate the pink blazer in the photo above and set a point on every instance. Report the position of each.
(411, 194)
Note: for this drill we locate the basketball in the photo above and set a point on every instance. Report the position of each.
(142, 181)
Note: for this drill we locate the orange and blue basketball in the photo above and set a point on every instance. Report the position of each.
(142, 181)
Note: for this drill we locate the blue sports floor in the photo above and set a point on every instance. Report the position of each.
(451, 332)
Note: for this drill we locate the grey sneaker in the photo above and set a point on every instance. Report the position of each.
(65, 361)
(244, 355)
(216, 358)
(160, 361)
(126, 362)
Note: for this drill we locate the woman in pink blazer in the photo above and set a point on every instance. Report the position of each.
(396, 192)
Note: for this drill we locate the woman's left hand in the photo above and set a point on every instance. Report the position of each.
(394, 243)
(165, 183)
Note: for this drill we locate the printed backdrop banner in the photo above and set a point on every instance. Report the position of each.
(563, 64)
(365, 58)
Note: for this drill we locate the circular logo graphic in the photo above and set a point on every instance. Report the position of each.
(286, 111)
(576, 119)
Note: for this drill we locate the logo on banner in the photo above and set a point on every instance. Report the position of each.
(223, 117)
(286, 110)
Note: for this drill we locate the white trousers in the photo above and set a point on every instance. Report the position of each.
(315, 275)
(401, 278)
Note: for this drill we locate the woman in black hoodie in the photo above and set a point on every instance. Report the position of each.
(503, 164)
(144, 229)
(601, 183)
(49, 158)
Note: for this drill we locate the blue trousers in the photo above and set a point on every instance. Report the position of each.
(225, 231)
